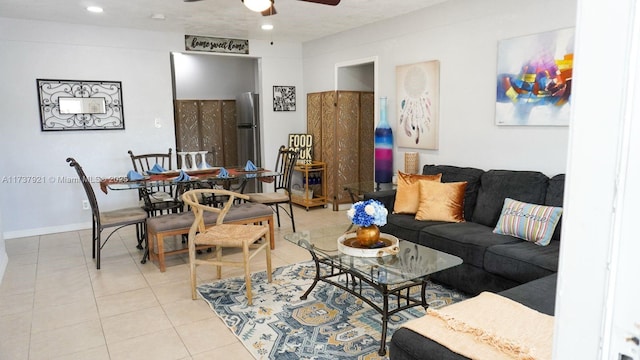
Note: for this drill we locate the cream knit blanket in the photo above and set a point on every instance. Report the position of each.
(489, 327)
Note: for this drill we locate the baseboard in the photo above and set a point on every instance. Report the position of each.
(45, 230)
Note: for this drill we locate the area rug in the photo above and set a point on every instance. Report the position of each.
(329, 324)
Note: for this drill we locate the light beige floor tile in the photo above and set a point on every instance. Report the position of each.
(14, 347)
(176, 271)
(18, 278)
(204, 335)
(235, 351)
(171, 292)
(126, 302)
(15, 303)
(55, 274)
(98, 353)
(116, 277)
(77, 275)
(160, 345)
(66, 340)
(24, 259)
(21, 246)
(63, 286)
(187, 311)
(16, 324)
(58, 263)
(57, 316)
(129, 325)
(69, 238)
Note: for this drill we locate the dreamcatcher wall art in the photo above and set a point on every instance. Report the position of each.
(418, 87)
(534, 79)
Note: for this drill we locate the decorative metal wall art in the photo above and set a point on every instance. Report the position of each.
(80, 105)
(284, 98)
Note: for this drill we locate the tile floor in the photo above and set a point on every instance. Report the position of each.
(54, 304)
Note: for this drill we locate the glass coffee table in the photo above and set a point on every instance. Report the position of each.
(395, 277)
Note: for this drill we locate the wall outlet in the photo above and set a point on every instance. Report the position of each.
(85, 205)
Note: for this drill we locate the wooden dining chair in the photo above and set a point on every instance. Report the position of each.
(115, 219)
(281, 194)
(224, 235)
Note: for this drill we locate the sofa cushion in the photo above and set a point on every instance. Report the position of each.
(458, 174)
(496, 185)
(522, 261)
(555, 197)
(530, 222)
(538, 294)
(441, 201)
(408, 192)
(467, 240)
(406, 227)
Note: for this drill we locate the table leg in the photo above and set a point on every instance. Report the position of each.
(385, 320)
(316, 279)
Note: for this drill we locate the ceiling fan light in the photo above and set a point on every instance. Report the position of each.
(257, 5)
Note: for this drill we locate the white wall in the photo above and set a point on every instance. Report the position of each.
(31, 50)
(4, 259)
(213, 77)
(357, 77)
(141, 61)
(463, 35)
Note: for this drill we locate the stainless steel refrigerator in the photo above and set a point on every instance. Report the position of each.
(248, 132)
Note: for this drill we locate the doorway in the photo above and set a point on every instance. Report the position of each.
(205, 89)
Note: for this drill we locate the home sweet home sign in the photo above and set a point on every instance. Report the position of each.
(213, 44)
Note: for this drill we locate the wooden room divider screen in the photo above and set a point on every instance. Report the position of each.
(207, 125)
(342, 125)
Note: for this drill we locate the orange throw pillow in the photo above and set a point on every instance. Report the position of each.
(408, 192)
(441, 201)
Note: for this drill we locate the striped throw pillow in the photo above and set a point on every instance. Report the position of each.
(530, 222)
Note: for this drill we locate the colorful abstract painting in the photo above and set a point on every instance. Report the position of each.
(534, 79)
(418, 87)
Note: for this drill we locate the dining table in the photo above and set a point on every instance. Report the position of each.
(188, 179)
(210, 176)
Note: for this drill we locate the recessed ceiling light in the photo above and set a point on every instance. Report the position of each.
(95, 9)
(267, 27)
(158, 17)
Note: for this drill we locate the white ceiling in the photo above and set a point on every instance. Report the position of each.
(296, 20)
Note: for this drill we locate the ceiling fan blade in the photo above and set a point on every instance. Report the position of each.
(324, 2)
(270, 11)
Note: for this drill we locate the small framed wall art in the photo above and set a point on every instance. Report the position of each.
(284, 98)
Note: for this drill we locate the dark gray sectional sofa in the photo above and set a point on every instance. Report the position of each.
(492, 262)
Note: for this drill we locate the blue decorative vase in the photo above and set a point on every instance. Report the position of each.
(383, 147)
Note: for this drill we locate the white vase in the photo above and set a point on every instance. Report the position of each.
(194, 164)
(183, 158)
(203, 161)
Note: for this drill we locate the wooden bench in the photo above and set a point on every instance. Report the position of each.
(159, 227)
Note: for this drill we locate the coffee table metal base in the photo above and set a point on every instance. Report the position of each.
(401, 292)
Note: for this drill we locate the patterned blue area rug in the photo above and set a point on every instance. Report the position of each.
(329, 324)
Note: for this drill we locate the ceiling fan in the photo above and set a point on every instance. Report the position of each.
(271, 10)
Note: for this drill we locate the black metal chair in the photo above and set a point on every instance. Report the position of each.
(281, 195)
(163, 197)
(116, 219)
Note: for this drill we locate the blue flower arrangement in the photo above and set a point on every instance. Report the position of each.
(367, 213)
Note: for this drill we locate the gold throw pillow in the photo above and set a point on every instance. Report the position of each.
(441, 201)
(408, 192)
